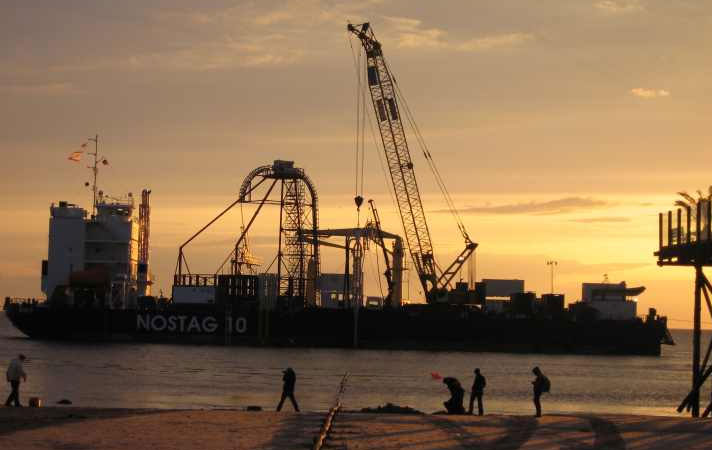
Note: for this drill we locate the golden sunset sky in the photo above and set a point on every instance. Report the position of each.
(561, 127)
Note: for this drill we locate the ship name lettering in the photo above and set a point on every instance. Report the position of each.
(159, 323)
(193, 325)
(210, 324)
(241, 325)
(142, 322)
(178, 323)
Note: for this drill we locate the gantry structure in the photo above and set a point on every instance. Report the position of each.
(298, 265)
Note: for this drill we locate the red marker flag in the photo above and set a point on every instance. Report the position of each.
(75, 156)
(436, 376)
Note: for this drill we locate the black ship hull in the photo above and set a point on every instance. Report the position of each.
(404, 329)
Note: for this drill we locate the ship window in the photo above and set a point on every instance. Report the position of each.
(372, 76)
(392, 107)
(381, 111)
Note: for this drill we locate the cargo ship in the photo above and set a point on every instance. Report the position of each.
(98, 283)
(98, 286)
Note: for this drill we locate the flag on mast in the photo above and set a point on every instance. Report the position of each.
(77, 156)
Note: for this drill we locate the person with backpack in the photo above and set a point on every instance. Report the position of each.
(478, 389)
(541, 384)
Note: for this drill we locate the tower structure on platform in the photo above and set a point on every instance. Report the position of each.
(298, 267)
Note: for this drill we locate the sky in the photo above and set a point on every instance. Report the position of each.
(561, 127)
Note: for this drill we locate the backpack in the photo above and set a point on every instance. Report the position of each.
(545, 384)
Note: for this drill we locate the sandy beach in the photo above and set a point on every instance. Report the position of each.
(84, 429)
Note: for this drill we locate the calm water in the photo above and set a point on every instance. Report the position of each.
(172, 376)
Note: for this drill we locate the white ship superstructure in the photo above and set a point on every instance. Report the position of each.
(100, 251)
(612, 301)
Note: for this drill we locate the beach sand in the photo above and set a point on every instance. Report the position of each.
(83, 429)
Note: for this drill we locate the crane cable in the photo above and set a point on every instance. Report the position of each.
(368, 115)
(360, 133)
(428, 156)
(363, 115)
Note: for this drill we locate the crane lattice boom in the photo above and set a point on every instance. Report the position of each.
(383, 94)
(405, 185)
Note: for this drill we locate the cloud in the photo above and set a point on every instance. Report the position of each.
(558, 206)
(263, 34)
(254, 34)
(611, 219)
(619, 6)
(228, 52)
(274, 17)
(51, 88)
(649, 93)
(494, 41)
(225, 54)
(409, 33)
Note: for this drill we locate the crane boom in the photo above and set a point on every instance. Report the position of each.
(394, 141)
(383, 95)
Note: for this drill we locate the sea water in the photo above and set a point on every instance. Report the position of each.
(144, 375)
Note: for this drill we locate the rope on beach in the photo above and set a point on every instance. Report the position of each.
(320, 439)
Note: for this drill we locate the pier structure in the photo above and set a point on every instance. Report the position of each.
(685, 239)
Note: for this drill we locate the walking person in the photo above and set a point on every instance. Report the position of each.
(541, 384)
(478, 390)
(290, 379)
(15, 372)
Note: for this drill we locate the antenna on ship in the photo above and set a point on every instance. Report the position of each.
(95, 170)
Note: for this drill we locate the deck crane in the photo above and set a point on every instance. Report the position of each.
(379, 240)
(384, 92)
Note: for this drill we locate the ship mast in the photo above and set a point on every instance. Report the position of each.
(95, 171)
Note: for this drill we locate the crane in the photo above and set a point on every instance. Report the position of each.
(384, 93)
(379, 240)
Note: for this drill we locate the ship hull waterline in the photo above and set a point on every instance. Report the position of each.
(335, 328)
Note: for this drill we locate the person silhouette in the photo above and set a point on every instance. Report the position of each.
(457, 395)
(540, 385)
(15, 373)
(290, 379)
(478, 389)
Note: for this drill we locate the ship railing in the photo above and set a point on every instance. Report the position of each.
(230, 285)
(195, 279)
(21, 302)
